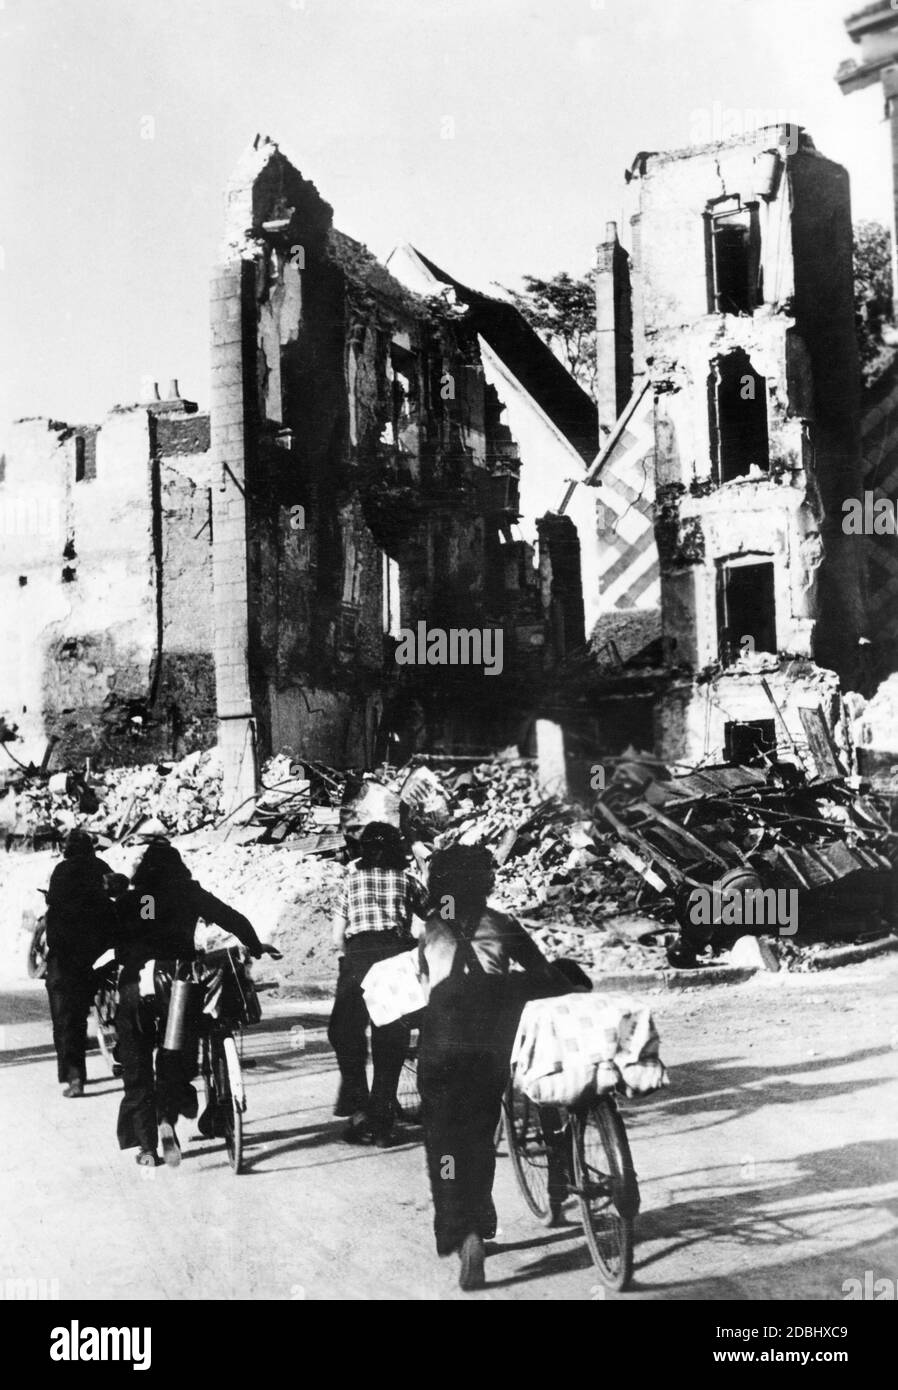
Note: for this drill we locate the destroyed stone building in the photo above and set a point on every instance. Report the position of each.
(739, 443)
(366, 480)
(105, 568)
(390, 451)
(874, 29)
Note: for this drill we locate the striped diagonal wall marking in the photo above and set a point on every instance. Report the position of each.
(629, 574)
(880, 443)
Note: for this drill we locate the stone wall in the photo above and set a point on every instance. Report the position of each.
(107, 587)
(742, 257)
(368, 481)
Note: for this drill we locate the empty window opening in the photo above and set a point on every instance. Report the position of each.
(749, 743)
(23, 580)
(746, 609)
(68, 575)
(734, 257)
(80, 460)
(738, 418)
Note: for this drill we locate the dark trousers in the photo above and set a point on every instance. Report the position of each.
(463, 1066)
(156, 1088)
(70, 991)
(347, 1031)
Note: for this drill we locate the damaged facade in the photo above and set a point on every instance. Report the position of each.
(107, 579)
(874, 29)
(387, 448)
(366, 480)
(740, 442)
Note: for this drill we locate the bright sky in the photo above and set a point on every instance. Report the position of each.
(121, 120)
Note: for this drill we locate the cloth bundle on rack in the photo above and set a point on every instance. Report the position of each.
(572, 1048)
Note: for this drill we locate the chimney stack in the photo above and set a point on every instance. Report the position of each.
(614, 329)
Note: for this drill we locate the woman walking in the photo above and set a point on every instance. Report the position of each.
(373, 922)
(157, 919)
(79, 929)
(466, 1042)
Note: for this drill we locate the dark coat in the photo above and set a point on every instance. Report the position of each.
(80, 915)
(161, 925)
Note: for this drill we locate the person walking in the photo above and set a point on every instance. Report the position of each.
(80, 923)
(156, 921)
(373, 922)
(466, 1041)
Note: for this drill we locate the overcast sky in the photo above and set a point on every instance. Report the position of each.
(122, 120)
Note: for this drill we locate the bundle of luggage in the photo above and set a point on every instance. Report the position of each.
(572, 1048)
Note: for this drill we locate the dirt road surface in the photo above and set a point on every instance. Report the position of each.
(769, 1169)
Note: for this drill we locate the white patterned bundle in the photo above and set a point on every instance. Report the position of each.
(393, 988)
(571, 1049)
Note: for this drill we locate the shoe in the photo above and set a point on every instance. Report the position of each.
(148, 1158)
(357, 1132)
(385, 1138)
(472, 1255)
(171, 1149)
(74, 1090)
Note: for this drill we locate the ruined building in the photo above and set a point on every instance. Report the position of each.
(391, 452)
(366, 478)
(874, 29)
(106, 573)
(729, 333)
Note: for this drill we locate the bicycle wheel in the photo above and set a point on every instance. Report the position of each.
(106, 1040)
(105, 1005)
(529, 1154)
(606, 1188)
(229, 1096)
(37, 951)
(408, 1097)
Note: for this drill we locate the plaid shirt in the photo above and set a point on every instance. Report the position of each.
(380, 900)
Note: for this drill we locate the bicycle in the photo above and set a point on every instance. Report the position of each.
(104, 1011)
(559, 1153)
(408, 1097)
(408, 1094)
(237, 1004)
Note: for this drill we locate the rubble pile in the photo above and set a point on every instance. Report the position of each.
(182, 796)
(875, 721)
(608, 886)
(614, 889)
(556, 871)
(288, 896)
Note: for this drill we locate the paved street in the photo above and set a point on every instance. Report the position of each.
(768, 1170)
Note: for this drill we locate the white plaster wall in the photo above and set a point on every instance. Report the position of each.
(698, 735)
(548, 462)
(109, 518)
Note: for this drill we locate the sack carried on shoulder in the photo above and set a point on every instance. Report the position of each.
(574, 1047)
(394, 988)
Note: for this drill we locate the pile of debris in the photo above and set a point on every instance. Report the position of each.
(556, 871)
(38, 810)
(298, 801)
(618, 888)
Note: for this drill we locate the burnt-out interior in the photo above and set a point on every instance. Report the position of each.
(738, 418)
(746, 609)
(381, 492)
(750, 742)
(734, 261)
